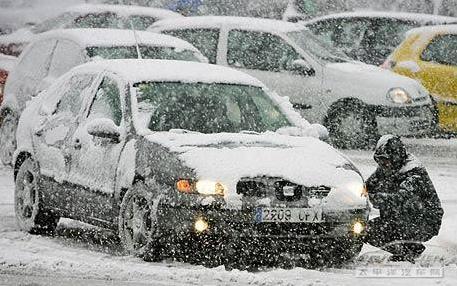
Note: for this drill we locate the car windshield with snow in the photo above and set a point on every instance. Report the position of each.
(355, 101)
(53, 53)
(172, 153)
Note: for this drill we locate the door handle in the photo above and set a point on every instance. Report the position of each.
(77, 144)
(301, 106)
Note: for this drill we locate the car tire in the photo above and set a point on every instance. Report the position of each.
(31, 214)
(138, 223)
(352, 126)
(7, 138)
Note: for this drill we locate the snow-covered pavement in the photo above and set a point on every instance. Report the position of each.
(84, 255)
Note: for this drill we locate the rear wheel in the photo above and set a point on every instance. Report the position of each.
(30, 211)
(138, 223)
(7, 138)
(352, 126)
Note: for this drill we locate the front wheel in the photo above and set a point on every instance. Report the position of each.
(30, 212)
(352, 127)
(138, 223)
(7, 138)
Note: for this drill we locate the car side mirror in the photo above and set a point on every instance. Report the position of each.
(104, 128)
(301, 67)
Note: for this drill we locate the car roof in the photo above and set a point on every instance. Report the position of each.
(123, 10)
(423, 19)
(247, 23)
(439, 29)
(115, 37)
(146, 70)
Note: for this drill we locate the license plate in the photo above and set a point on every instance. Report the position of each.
(309, 215)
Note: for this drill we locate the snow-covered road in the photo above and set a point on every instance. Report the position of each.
(83, 255)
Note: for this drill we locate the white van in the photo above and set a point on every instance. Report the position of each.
(357, 102)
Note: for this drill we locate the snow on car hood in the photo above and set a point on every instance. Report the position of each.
(228, 157)
(369, 83)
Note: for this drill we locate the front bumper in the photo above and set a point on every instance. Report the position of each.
(242, 224)
(405, 121)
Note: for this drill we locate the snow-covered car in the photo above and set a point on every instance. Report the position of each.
(87, 16)
(166, 152)
(357, 102)
(370, 37)
(53, 53)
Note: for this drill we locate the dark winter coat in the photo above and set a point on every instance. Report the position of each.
(407, 199)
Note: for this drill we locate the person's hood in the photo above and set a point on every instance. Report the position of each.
(228, 157)
(370, 83)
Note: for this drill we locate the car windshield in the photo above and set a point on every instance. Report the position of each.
(130, 52)
(207, 108)
(316, 47)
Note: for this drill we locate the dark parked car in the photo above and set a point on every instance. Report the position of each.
(370, 37)
(169, 152)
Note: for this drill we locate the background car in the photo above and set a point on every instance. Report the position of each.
(370, 37)
(429, 54)
(87, 16)
(53, 53)
(357, 102)
(174, 152)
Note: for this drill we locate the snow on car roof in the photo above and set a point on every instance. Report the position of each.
(439, 29)
(423, 19)
(123, 10)
(144, 70)
(218, 21)
(115, 37)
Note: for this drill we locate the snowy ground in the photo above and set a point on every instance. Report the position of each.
(82, 255)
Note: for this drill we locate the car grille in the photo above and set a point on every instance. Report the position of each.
(281, 189)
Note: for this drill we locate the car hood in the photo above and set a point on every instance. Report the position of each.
(228, 157)
(369, 83)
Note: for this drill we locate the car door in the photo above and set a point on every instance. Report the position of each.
(270, 59)
(94, 159)
(59, 114)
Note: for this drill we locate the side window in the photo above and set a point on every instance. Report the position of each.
(72, 98)
(107, 102)
(139, 22)
(442, 49)
(66, 56)
(262, 51)
(205, 40)
(101, 20)
(35, 64)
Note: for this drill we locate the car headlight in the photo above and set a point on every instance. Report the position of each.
(399, 95)
(204, 187)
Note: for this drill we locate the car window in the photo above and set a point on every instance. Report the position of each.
(35, 63)
(139, 22)
(205, 40)
(261, 51)
(72, 98)
(130, 52)
(66, 55)
(207, 108)
(442, 49)
(107, 102)
(100, 20)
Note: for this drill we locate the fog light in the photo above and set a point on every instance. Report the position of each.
(200, 225)
(358, 227)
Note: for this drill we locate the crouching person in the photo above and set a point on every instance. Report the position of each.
(410, 210)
